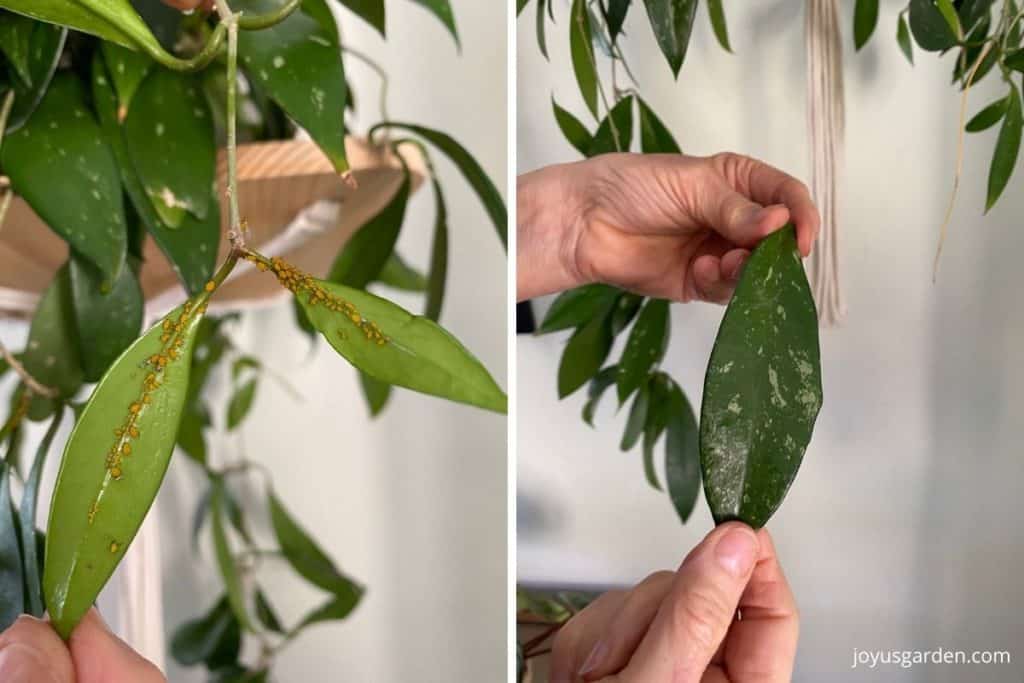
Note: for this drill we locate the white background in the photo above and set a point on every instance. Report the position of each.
(902, 529)
(413, 505)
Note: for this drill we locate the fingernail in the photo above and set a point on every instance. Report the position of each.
(594, 659)
(20, 664)
(736, 551)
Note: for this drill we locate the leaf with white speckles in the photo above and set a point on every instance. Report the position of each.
(672, 21)
(762, 390)
(127, 69)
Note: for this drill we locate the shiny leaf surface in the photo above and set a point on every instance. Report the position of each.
(1004, 158)
(582, 53)
(645, 347)
(682, 454)
(27, 513)
(672, 21)
(108, 317)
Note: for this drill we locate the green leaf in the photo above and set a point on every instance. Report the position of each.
(584, 354)
(108, 317)
(59, 164)
(542, 40)
(1014, 59)
(371, 11)
(399, 275)
(243, 363)
(626, 308)
(949, 14)
(654, 425)
(762, 390)
(865, 19)
(51, 354)
(12, 580)
(682, 454)
(266, 614)
(443, 11)
(130, 423)
(298, 64)
(973, 12)
(127, 68)
(335, 609)
(598, 385)
(615, 134)
(15, 42)
(577, 306)
(393, 346)
(361, 258)
(170, 139)
(1004, 158)
(929, 26)
(718, 23)
(582, 52)
(191, 249)
(241, 403)
(637, 418)
(520, 5)
(645, 347)
(27, 513)
(672, 21)
(375, 392)
(225, 558)
(655, 137)
(190, 432)
(213, 639)
(903, 39)
(572, 128)
(116, 21)
(470, 169)
(616, 17)
(989, 116)
(306, 557)
(438, 277)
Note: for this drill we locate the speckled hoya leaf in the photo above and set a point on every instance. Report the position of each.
(127, 68)
(762, 391)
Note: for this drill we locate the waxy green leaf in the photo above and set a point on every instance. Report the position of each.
(12, 579)
(46, 44)
(865, 19)
(718, 24)
(585, 353)
(1004, 158)
(266, 614)
(598, 385)
(762, 390)
(903, 39)
(113, 465)
(170, 139)
(572, 128)
(34, 604)
(108, 317)
(298, 64)
(117, 22)
(16, 41)
(361, 258)
(51, 354)
(682, 454)
(645, 347)
(929, 27)
(438, 276)
(225, 557)
(637, 419)
(582, 52)
(989, 116)
(398, 274)
(576, 307)
(443, 11)
(371, 11)
(127, 69)
(616, 17)
(541, 30)
(213, 639)
(375, 392)
(391, 345)
(241, 403)
(655, 137)
(626, 308)
(59, 164)
(615, 134)
(659, 386)
(672, 21)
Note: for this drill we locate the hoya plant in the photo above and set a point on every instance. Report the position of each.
(112, 116)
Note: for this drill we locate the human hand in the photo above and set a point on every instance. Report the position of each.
(683, 627)
(664, 225)
(32, 652)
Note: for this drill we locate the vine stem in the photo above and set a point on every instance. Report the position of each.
(959, 160)
(236, 231)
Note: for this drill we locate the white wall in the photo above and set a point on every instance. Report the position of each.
(900, 531)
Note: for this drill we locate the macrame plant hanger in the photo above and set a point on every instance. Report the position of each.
(825, 124)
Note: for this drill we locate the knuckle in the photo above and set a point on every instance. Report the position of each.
(699, 617)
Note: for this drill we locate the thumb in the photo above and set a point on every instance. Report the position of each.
(694, 620)
(101, 657)
(32, 652)
(735, 217)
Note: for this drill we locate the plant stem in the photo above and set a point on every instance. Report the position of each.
(28, 380)
(257, 22)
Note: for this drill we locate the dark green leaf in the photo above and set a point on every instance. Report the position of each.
(949, 14)
(929, 26)
(443, 11)
(335, 609)
(972, 12)
(127, 30)
(637, 419)
(654, 425)
(616, 17)
(542, 40)
(655, 137)
(989, 116)
(241, 403)
(375, 392)
(60, 165)
(903, 39)
(361, 258)
(298, 64)
(595, 391)
(169, 136)
(306, 557)
(371, 11)
(266, 614)
(644, 348)
(672, 21)
(243, 363)
(718, 24)
(322, 14)
(615, 134)
(572, 128)
(162, 19)
(190, 432)
(214, 639)
(27, 513)
(199, 517)
(625, 311)
(398, 274)
(520, 5)
(51, 355)
(15, 42)
(225, 557)
(12, 580)
(108, 318)
(762, 390)
(865, 19)
(1004, 158)
(1014, 59)
(584, 354)
(470, 168)
(127, 69)
(682, 454)
(438, 277)
(582, 52)
(577, 306)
